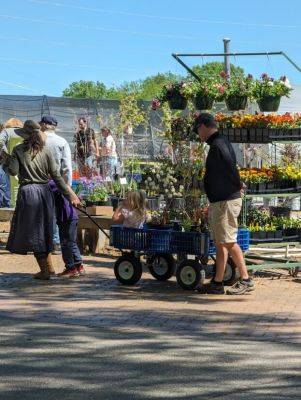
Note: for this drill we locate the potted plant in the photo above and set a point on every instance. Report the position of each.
(237, 91)
(173, 94)
(98, 202)
(268, 92)
(204, 92)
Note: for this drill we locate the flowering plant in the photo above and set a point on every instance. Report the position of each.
(168, 92)
(275, 173)
(285, 121)
(208, 86)
(238, 86)
(267, 86)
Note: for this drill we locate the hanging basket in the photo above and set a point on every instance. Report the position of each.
(236, 103)
(202, 102)
(269, 103)
(178, 102)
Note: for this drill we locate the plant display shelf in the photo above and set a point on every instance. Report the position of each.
(262, 135)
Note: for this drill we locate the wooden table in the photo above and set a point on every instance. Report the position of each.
(89, 238)
(6, 214)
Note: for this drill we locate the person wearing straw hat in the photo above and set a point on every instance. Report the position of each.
(32, 223)
(8, 140)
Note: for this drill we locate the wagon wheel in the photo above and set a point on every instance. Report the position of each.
(162, 266)
(190, 274)
(128, 269)
(231, 273)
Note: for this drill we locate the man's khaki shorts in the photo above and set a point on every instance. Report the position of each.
(223, 220)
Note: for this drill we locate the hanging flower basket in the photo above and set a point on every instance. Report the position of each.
(178, 102)
(202, 102)
(269, 103)
(236, 103)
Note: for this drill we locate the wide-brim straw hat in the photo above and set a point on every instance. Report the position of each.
(13, 123)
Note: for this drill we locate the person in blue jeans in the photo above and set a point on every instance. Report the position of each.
(67, 220)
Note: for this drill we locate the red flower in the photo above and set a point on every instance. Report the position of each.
(155, 104)
(224, 75)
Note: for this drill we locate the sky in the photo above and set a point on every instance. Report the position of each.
(46, 45)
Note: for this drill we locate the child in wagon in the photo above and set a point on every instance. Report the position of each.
(132, 212)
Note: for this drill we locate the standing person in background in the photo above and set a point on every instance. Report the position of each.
(86, 146)
(9, 138)
(108, 153)
(62, 154)
(32, 224)
(223, 188)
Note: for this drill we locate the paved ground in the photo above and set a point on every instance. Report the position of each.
(92, 338)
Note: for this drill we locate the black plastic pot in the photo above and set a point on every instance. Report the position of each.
(203, 103)
(278, 234)
(262, 187)
(236, 103)
(255, 235)
(153, 203)
(270, 234)
(269, 103)
(98, 203)
(178, 102)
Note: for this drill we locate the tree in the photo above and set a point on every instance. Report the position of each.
(215, 68)
(86, 89)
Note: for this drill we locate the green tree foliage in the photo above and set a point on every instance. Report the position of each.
(144, 89)
(86, 89)
(215, 68)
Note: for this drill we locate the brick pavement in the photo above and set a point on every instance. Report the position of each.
(271, 313)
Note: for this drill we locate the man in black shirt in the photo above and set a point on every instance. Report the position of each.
(223, 189)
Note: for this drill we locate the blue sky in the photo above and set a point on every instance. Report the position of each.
(46, 45)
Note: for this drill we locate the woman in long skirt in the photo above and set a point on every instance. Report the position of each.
(31, 229)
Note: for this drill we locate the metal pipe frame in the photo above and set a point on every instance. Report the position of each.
(177, 56)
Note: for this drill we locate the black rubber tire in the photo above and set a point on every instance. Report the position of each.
(128, 269)
(189, 274)
(170, 265)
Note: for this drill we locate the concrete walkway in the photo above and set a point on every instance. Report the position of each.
(92, 338)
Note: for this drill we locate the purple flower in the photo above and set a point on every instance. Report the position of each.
(264, 76)
(283, 78)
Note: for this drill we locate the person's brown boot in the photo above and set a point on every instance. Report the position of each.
(50, 266)
(44, 274)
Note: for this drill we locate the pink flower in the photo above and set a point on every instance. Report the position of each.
(155, 104)
(224, 75)
(221, 89)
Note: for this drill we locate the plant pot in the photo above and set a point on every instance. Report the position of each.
(236, 103)
(278, 234)
(100, 210)
(178, 102)
(202, 102)
(262, 187)
(177, 203)
(269, 103)
(255, 235)
(270, 234)
(153, 203)
(262, 235)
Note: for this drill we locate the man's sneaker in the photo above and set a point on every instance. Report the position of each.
(69, 273)
(241, 287)
(211, 288)
(81, 270)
